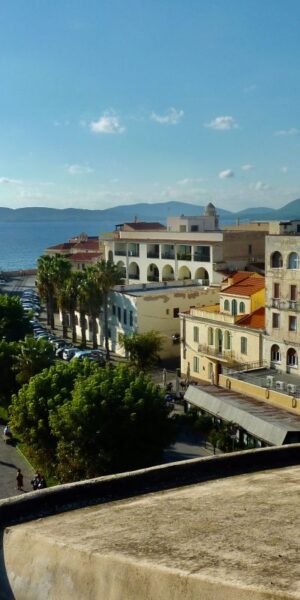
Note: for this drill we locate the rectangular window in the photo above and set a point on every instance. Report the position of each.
(175, 313)
(293, 293)
(114, 309)
(125, 316)
(167, 311)
(196, 334)
(182, 228)
(196, 364)
(131, 318)
(275, 320)
(194, 228)
(250, 249)
(243, 345)
(292, 323)
(119, 313)
(276, 290)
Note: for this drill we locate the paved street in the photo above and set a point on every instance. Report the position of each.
(11, 460)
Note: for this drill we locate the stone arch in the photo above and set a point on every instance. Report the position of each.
(276, 260)
(293, 261)
(168, 273)
(184, 273)
(292, 358)
(133, 271)
(275, 353)
(202, 273)
(122, 268)
(152, 272)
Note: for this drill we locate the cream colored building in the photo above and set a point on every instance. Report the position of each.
(189, 248)
(141, 308)
(282, 339)
(224, 335)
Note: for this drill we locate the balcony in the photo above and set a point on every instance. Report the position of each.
(168, 255)
(183, 256)
(120, 252)
(153, 254)
(284, 304)
(133, 253)
(220, 353)
(199, 257)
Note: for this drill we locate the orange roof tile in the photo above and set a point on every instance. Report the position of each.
(83, 256)
(246, 287)
(255, 320)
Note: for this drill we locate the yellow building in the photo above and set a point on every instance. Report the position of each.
(222, 336)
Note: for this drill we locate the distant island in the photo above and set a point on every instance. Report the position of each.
(144, 211)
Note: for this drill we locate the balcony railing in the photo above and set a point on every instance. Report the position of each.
(153, 278)
(217, 352)
(152, 254)
(183, 256)
(168, 255)
(201, 257)
(285, 304)
(120, 252)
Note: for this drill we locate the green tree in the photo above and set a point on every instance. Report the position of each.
(32, 407)
(73, 297)
(61, 276)
(107, 276)
(93, 298)
(14, 324)
(143, 348)
(9, 386)
(80, 420)
(46, 285)
(32, 357)
(116, 420)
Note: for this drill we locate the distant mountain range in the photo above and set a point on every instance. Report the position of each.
(146, 212)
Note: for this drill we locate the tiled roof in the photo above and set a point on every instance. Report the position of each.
(255, 320)
(83, 256)
(238, 276)
(246, 287)
(63, 246)
(145, 226)
(88, 245)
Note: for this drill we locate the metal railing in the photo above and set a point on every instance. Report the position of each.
(250, 366)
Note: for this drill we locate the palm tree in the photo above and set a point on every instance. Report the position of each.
(93, 299)
(108, 276)
(33, 356)
(73, 296)
(61, 276)
(45, 283)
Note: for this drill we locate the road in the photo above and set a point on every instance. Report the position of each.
(11, 460)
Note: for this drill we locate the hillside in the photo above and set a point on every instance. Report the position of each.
(144, 211)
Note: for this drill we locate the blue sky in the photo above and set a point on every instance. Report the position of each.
(108, 102)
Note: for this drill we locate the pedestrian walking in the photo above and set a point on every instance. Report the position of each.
(19, 479)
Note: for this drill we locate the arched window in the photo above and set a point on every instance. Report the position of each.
(227, 338)
(210, 336)
(234, 307)
(275, 353)
(293, 261)
(242, 307)
(291, 357)
(276, 260)
(226, 305)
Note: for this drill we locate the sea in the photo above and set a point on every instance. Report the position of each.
(21, 244)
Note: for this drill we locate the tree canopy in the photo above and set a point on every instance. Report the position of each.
(14, 324)
(143, 348)
(80, 420)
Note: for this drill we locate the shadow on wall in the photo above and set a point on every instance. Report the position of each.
(5, 589)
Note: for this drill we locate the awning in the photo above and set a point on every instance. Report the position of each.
(270, 424)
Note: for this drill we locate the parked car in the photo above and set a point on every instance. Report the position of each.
(68, 353)
(94, 355)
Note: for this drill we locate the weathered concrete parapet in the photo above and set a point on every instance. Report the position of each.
(124, 485)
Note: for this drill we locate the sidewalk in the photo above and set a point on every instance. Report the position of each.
(11, 459)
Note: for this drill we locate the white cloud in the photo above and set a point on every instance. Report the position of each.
(109, 123)
(222, 123)
(172, 117)
(291, 131)
(284, 169)
(79, 169)
(7, 180)
(260, 186)
(189, 180)
(247, 167)
(226, 174)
